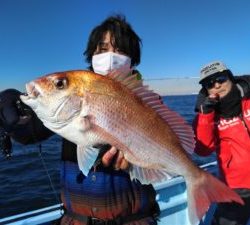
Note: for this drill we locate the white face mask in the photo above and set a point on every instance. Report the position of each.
(105, 62)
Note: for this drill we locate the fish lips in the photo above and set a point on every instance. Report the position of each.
(32, 94)
(32, 90)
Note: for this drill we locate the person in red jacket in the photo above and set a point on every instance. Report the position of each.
(222, 125)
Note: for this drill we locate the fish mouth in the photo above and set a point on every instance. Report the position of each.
(32, 91)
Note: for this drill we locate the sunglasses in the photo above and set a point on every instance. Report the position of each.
(208, 84)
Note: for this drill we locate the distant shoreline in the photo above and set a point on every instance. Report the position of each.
(178, 94)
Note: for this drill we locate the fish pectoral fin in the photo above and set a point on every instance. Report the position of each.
(146, 176)
(86, 157)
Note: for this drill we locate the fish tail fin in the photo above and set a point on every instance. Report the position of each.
(205, 190)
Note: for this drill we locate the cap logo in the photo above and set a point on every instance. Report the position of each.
(210, 68)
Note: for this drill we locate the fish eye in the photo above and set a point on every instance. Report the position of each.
(61, 83)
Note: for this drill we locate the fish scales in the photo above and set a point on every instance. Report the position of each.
(123, 115)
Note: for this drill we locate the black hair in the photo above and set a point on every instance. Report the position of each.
(125, 39)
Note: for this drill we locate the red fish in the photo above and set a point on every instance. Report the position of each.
(89, 109)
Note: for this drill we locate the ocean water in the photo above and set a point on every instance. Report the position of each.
(25, 179)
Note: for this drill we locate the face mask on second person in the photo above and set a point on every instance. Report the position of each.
(105, 62)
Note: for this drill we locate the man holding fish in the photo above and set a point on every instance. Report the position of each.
(106, 194)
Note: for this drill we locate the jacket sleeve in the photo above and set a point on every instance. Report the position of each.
(205, 134)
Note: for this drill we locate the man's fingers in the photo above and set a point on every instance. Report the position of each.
(116, 158)
(124, 164)
(118, 161)
(108, 156)
(121, 163)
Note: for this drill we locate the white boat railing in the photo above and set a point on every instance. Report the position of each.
(40, 216)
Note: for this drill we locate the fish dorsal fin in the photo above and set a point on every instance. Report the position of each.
(181, 128)
(124, 76)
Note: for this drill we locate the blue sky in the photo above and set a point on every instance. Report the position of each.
(179, 36)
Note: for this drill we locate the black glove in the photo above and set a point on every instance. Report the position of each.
(19, 121)
(9, 118)
(205, 104)
(208, 105)
(9, 112)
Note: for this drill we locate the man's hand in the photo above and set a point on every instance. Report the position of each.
(116, 158)
(11, 109)
(209, 104)
(9, 115)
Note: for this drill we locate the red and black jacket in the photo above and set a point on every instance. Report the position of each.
(230, 139)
